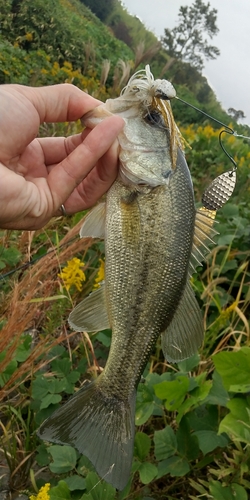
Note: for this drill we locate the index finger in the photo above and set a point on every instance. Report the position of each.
(58, 103)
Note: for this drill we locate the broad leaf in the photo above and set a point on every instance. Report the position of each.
(147, 472)
(234, 368)
(60, 492)
(237, 422)
(176, 466)
(165, 443)
(142, 445)
(209, 440)
(173, 392)
(75, 482)
(64, 457)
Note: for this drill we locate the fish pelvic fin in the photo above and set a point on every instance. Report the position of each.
(99, 426)
(203, 237)
(94, 223)
(91, 314)
(184, 335)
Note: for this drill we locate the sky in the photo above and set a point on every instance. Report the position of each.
(229, 74)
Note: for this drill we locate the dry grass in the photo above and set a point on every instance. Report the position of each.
(27, 304)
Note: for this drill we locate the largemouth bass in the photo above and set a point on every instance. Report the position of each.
(154, 238)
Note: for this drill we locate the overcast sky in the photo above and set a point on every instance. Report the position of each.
(229, 74)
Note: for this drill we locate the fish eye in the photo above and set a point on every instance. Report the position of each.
(154, 118)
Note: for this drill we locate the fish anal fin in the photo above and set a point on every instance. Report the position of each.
(91, 315)
(185, 333)
(99, 426)
(94, 223)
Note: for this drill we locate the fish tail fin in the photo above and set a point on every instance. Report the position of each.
(99, 426)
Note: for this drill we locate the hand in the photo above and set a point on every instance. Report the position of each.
(38, 175)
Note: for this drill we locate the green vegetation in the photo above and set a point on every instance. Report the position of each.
(192, 420)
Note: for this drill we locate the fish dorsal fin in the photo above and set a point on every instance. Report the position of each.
(203, 237)
(185, 333)
(94, 223)
(91, 315)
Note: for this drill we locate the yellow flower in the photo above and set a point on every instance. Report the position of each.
(227, 312)
(42, 493)
(72, 274)
(29, 37)
(100, 275)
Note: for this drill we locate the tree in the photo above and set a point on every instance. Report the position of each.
(187, 42)
(237, 114)
(101, 8)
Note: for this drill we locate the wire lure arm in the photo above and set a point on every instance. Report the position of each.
(222, 187)
(228, 130)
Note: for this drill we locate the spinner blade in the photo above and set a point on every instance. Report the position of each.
(219, 191)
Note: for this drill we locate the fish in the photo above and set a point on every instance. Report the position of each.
(154, 240)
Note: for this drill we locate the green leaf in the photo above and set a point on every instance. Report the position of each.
(239, 492)
(9, 370)
(165, 443)
(98, 490)
(50, 399)
(147, 472)
(64, 457)
(173, 392)
(142, 445)
(23, 350)
(187, 443)
(42, 456)
(84, 466)
(218, 394)
(75, 482)
(176, 466)
(144, 404)
(61, 366)
(230, 210)
(189, 364)
(234, 368)
(209, 440)
(204, 417)
(73, 377)
(40, 387)
(195, 398)
(10, 256)
(237, 422)
(232, 492)
(104, 337)
(225, 239)
(60, 492)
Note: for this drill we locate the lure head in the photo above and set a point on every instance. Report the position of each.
(164, 90)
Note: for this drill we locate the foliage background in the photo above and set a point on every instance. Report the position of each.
(192, 419)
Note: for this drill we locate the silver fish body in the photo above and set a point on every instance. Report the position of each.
(149, 220)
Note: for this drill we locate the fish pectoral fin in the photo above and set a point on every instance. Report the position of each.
(100, 426)
(91, 315)
(203, 236)
(94, 223)
(185, 333)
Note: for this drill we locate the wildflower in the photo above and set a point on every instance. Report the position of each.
(29, 37)
(42, 493)
(227, 312)
(72, 274)
(100, 275)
